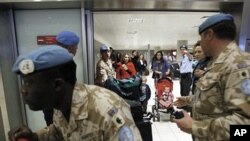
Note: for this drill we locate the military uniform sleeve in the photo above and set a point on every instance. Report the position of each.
(50, 133)
(189, 99)
(121, 126)
(236, 110)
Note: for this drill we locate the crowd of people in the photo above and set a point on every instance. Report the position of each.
(217, 88)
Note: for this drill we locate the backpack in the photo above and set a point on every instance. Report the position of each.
(126, 88)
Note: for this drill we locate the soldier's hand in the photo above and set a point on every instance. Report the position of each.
(180, 102)
(185, 123)
(22, 133)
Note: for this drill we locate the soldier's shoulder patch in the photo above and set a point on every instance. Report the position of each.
(243, 65)
(112, 111)
(126, 134)
(245, 87)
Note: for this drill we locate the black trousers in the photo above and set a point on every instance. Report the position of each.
(185, 83)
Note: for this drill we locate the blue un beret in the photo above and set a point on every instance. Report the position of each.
(42, 58)
(67, 38)
(104, 48)
(213, 20)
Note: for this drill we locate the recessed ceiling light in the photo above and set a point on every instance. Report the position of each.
(135, 20)
(131, 32)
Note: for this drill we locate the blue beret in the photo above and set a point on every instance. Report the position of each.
(104, 48)
(42, 58)
(67, 38)
(213, 20)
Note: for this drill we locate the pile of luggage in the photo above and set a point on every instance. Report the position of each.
(129, 90)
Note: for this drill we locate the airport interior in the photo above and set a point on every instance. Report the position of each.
(125, 25)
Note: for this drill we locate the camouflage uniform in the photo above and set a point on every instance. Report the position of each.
(97, 114)
(221, 97)
(103, 70)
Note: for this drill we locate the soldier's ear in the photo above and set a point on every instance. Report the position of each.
(210, 34)
(58, 84)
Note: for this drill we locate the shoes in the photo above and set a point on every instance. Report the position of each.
(148, 116)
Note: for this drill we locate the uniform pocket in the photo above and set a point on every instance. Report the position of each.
(210, 98)
(208, 82)
(93, 136)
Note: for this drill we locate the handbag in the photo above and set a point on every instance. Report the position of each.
(155, 75)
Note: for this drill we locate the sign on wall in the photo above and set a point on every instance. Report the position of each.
(46, 40)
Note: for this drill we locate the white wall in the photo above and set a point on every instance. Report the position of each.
(30, 24)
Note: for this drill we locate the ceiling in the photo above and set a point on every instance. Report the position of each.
(137, 30)
(154, 23)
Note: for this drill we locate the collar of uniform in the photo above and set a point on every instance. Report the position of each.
(79, 108)
(225, 53)
(222, 57)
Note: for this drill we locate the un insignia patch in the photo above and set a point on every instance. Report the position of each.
(245, 86)
(126, 134)
(26, 66)
(112, 111)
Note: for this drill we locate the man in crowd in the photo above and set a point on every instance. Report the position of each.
(186, 73)
(104, 67)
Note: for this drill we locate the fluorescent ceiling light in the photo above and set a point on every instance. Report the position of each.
(135, 20)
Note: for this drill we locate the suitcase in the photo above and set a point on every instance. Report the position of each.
(145, 130)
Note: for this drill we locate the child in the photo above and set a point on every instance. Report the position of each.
(167, 99)
(145, 94)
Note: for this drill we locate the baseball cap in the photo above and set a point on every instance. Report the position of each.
(104, 48)
(184, 46)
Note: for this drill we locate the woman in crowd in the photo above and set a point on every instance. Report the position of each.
(125, 69)
(160, 66)
(142, 65)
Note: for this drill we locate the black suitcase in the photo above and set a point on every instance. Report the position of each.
(145, 130)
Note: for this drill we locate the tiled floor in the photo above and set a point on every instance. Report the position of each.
(166, 130)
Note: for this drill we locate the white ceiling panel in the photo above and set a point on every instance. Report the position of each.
(135, 30)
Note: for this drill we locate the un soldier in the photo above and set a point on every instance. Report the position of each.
(222, 96)
(81, 112)
(104, 67)
(68, 40)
